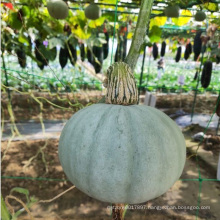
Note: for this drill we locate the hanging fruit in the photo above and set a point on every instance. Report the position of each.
(63, 57)
(89, 55)
(92, 11)
(200, 16)
(196, 76)
(106, 46)
(178, 54)
(206, 74)
(98, 53)
(22, 60)
(110, 151)
(217, 59)
(57, 9)
(197, 47)
(172, 11)
(53, 54)
(82, 52)
(42, 61)
(163, 49)
(155, 51)
(188, 51)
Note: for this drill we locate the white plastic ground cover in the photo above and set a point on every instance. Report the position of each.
(200, 119)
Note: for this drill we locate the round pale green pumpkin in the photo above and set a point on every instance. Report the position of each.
(57, 9)
(122, 154)
(92, 11)
(200, 16)
(172, 11)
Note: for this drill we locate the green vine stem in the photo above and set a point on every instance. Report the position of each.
(140, 32)
(121, 85)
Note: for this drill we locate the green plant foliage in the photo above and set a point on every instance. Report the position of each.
(5, 215)
(110, 16)
(55, 41)
(14, 22)
(23, 39)
(211, 6)
(155, 34)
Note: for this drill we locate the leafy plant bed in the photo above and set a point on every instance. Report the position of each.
(76, 78)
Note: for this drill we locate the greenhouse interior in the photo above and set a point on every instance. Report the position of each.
(110, 109)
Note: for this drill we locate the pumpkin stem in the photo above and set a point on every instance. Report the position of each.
(121, 85)
(140, 33)
(117, 211)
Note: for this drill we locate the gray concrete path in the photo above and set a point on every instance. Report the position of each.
(31, 130)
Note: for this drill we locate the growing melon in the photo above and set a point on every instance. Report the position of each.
(92, 11)
(172, 11)
(57, 9)
(121, 152)
(200, 16)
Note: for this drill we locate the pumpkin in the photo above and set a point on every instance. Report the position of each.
(121, 152)
(172, 11)
(200, 16)
(92, 11)
(57, 9)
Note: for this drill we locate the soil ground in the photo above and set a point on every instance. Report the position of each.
(77, 205)
(26, 108)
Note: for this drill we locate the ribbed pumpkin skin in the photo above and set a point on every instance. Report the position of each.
(122, 154)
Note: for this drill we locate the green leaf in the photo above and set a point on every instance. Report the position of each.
(47, 29)
(14, 22)
(54, 41)
(20, 190)
(73, 41)
(155, 34)
(211, 6)
(33, 199)
(26, 11)
(158, 21)
(96, 23)
(110, 16)
(24, 40)
(82, 34)
(5, 215)
(46, 53)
